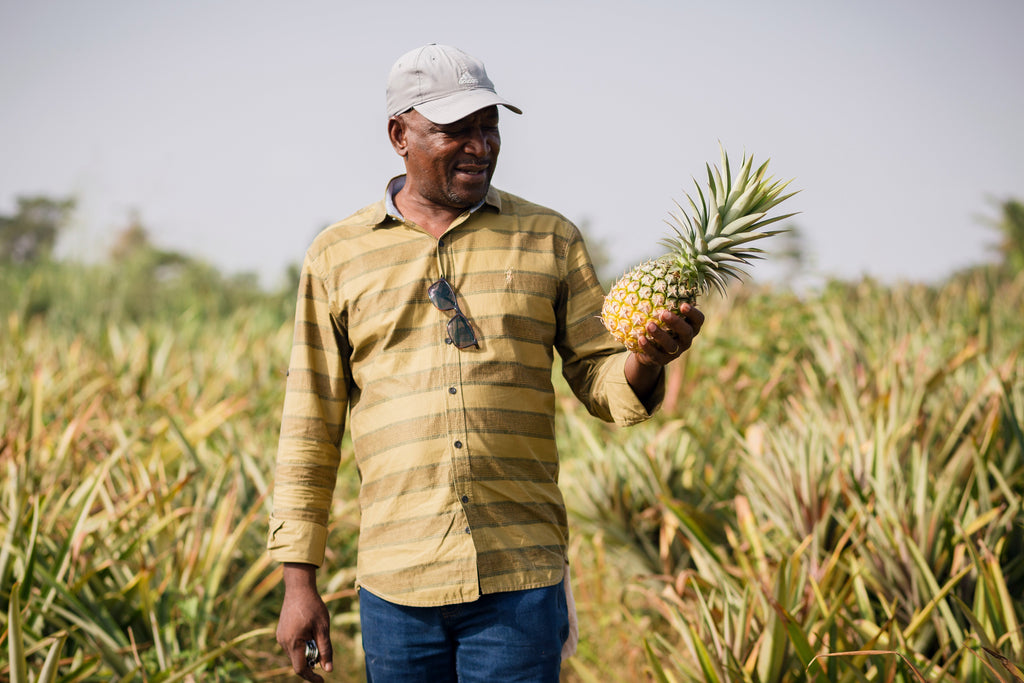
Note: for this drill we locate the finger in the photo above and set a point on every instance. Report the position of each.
(307, 674)
(686, 330)
(297, 655)
(650, 354)
(694, 316)
(323, 642)
(676, 338)
(653, 346)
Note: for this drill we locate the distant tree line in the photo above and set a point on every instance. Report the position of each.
(30, 235)
(1011, 228)
(138, 280)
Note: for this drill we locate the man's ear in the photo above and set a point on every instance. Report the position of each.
(397, 135)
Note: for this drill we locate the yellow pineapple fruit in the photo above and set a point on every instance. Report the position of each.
(710, 246)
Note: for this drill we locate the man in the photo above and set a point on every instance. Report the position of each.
(427, 322)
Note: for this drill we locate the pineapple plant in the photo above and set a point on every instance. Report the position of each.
(711, 245)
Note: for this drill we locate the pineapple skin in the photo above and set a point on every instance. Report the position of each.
(650, 287)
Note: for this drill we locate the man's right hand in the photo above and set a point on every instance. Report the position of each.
(304, 617)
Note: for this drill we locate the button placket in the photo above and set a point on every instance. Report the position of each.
(455, 410)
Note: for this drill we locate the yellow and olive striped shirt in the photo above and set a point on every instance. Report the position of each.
(455, 448)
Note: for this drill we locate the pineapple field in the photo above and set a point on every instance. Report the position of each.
(832, 490)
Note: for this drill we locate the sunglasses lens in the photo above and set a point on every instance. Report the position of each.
(441, 295)
(460, 332)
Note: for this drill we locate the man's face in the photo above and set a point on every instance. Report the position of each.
(449, 165)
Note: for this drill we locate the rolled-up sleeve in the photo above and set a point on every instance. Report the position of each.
(593, 362)
(312, 424)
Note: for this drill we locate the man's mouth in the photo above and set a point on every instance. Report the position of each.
(472, 169)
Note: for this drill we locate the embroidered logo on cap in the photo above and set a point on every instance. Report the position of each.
(465, 77)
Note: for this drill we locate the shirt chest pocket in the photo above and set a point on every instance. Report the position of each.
(385, 319)
(526, 311)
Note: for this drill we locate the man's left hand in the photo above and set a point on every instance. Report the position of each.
(644, 368)
(660, 347)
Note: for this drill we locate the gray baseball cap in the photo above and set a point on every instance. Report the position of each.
(442, 83)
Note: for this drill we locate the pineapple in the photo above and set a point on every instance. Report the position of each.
(709, 248)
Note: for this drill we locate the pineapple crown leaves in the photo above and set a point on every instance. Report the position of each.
(709, 244)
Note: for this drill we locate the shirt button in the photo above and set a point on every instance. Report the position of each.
(465, 499)
(467, 529)
(451, 390)
(447, 340)
(458, 444)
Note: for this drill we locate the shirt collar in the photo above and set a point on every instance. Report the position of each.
(389, 210)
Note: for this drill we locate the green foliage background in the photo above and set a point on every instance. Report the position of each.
(832, 490)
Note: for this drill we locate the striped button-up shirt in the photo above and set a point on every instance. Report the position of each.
(455, 448)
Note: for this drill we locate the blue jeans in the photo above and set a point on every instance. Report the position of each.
(505, 637)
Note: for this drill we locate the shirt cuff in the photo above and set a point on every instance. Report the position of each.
(296, 541)
(626, 408)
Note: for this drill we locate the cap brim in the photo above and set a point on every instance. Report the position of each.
(460, 105)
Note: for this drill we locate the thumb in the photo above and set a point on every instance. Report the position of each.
(323, 642)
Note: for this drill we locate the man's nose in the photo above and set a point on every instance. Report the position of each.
(478, 142)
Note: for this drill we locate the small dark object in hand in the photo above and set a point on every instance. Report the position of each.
(312, 653)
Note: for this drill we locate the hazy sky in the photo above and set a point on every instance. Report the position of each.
(237, 129)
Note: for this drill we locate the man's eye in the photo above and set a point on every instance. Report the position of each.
(462, 132)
